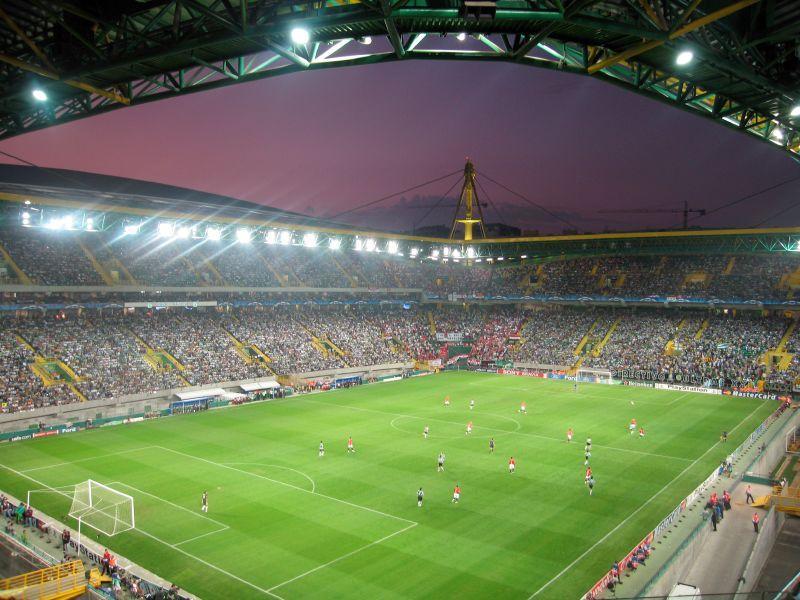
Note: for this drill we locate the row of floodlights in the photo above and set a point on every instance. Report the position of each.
(32, 217)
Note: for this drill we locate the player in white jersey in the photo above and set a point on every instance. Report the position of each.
(471, 404)
(204, 502)
(321, 449)
(420, 496)
(440, 462)
(425, 432)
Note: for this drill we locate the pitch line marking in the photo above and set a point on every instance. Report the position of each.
(628, 518)
(289, 485)
(515, 432)
(342, 557)
(104, 455)
(164, 500)
(313, 485)
(165, 543)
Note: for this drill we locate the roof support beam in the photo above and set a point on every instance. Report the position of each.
(28, 41)
(71, 82)
(391, 29)
(697, 24)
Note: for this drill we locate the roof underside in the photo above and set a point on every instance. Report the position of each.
(93, 56)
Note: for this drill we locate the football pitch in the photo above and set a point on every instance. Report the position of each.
(284, 522)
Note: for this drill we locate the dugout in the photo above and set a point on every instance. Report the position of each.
(194, 401)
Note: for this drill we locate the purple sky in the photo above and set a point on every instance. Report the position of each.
(322, 142)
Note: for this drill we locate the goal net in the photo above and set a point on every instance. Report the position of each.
(595, 375)
(102, 508)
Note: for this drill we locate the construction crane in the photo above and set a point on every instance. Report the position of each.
(686, 211)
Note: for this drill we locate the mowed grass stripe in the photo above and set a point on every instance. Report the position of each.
(508, 537)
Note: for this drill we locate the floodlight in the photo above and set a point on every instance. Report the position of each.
(89, 223)
(27, 202)
(300, 36)
(67, 222)
(524, 256)
(370, 245)
(777, 133)
(213, 233)
(358, 245)
(446, 251)
(131, 229)
(334, 243)
(414, 252)
(461, 36)
(685, 57)
(795, 112)
(243, 235)
(285, 237)
(500, 258)
(392, 247)
(470, 252)
(434, 254)
(39, 94)
(165, 229)
(26, 215)
(183, 232)
(271, 237)
(366, 40)
(456, 253)
(309, 239)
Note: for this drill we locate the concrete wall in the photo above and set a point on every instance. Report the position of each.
(769, 528)
(682, 561)
(123, 406)
(775, 449)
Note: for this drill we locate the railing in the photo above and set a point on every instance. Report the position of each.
(59, 580)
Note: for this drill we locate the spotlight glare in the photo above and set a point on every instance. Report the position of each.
(243, 235)
(456, 253)
(392, 247)
(795, 112)
(285, 237)
(183, 232)
(358, 246)
(334, 243)
(777, 133)
(214, 234)
(271, 237)
(165, 229)
(300, 36)
(89, 223)
(470, 252)
(366, 40)
(131, 229)
(39, 94)
(446, 251)
(685, 57)
(309, 239)
(461, 36)
(370, 245)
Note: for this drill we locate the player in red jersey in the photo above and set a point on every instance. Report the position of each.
(641, 432)
(456, 494)
(512, 465)
(569, 435)
(446, 401)
(523, 408)
(588, 475)
(350, 446)
(632, 426)
(469, 428)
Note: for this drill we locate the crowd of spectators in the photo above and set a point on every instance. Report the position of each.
(56, 258)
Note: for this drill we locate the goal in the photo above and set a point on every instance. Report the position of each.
(595, 375)
(102, 508)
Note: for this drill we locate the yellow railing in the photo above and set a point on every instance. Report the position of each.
(59, 582)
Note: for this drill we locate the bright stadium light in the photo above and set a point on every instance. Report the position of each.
(300, 36)
(243, 235)
(165, 229)
(39, 95)
(214, 234)
(358, 245)
(434, 254)
(370, 245)
(89, 224)
(183, 232)
(456, 253)
(309, 239)
(795, 112)
(334, 243)
(285, 237)
(524, 256)
(366, 40)
(777, 134)
(500, 258)
(446, 251)
(392, 247)
(68, 222)
(684, 58)
(414, 252)
(271, 237)
(470, 252)
(461, 36)
(131, 229)
(26, 215)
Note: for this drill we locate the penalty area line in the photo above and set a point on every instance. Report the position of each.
(342, 557)
(159, 540)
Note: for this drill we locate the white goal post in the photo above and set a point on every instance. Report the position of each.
(595, 375)
(102, 508)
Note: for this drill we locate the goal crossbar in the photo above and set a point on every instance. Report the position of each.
(92, 498)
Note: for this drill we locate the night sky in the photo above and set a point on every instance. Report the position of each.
(322, 142)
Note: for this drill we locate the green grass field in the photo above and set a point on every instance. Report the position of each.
(285, 523)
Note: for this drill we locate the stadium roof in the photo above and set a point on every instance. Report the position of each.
(88, 57)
